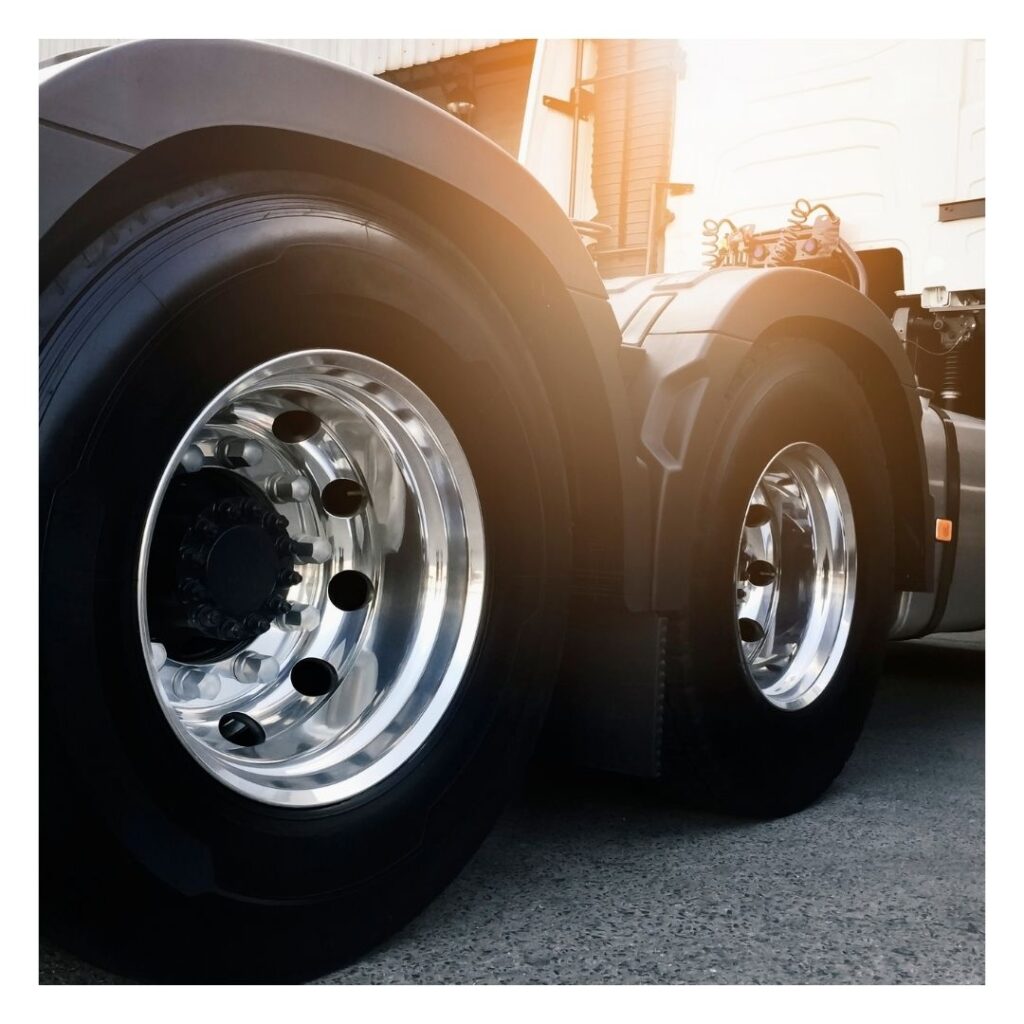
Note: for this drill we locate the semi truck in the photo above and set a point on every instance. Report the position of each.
(386, 429)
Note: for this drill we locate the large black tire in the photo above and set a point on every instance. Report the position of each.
(728, 747)
(150, 867)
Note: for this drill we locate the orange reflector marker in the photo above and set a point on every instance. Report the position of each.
(944, 530)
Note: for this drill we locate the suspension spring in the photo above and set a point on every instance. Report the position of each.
(951, 393)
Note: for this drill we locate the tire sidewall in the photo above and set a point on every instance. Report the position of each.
(101, 471)
(768, 759)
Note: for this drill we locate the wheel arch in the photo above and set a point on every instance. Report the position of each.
(124, 125)
(739, 310)
(897, 416)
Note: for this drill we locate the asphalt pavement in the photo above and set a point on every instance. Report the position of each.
(596, 879)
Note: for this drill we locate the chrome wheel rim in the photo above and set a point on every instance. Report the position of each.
(333, 480)
(796, 576)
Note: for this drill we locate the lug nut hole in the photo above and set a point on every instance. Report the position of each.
(343, 498)
(751, 631)
(349, 590)
(758, 515)
(241, 730)
(295, 425)
(314, 677)
(761, 573)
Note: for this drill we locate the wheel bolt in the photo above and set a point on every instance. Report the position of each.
(231, 628)
(272, 520)
(761, 573)
(289, 579)
(751, 631)
(235, 452)
(204, 527)
(241, 730)
(299, 616)
(282, 488)
(308, 549)
(195, 552)
(206, 617)
(250, 667)
(257, 624)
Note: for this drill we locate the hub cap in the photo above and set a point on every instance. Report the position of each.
(796, 575)
(311, 578)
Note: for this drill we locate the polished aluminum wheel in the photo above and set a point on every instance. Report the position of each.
(796, 576)
(311, 578)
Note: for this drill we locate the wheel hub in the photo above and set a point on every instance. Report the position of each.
(221, 574)
(236, 562)
(311, 578)
(796, 573)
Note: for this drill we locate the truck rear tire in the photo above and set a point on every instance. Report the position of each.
(304, 566)
(772, 668)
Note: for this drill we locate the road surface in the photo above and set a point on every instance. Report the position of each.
(594, 879)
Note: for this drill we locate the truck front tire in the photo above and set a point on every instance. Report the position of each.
(286, 431)
(772, 667)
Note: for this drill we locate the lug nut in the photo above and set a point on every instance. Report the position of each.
(289, 579)
(158, 656)
(191, 590)
(282, 488)
(272, 521)
(205, 617)
(234, 452)
(191, 683)
(257, 624)
(204, 527)
(250, 667)
(231, 628)
(299, 616)
(308, 549)
(192, 460)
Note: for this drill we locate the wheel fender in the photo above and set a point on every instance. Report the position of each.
(158, 105)
(130, 97)
(693, 353)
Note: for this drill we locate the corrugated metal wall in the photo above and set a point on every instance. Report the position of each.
(498, 69)
(498, 78)
(370, 55)
(378, 55)
(634, 114)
